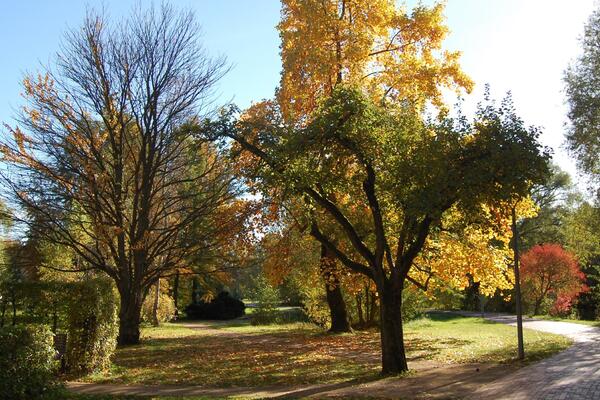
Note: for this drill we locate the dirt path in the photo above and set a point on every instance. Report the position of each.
(435, 382)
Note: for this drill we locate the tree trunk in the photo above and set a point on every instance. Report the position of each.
(54, 320)
(536, 307)
(335, 299)
(129, 319)
(176, 293)
(359, 309)
(373, 314)
(393, 355)
(337, 308)
(195, 291)
(155, 320)
(3, 313)
(14, 308)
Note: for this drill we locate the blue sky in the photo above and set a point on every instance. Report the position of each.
(242, 30)
(517, 45)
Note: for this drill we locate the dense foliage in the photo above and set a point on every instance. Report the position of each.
(27, 363)
(85, 310)
(267, 300)
(157, 310)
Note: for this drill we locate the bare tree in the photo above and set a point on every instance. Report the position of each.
(102, 160)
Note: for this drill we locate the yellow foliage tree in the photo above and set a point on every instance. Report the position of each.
(388, 51)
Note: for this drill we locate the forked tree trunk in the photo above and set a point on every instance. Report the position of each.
(129, 319)
(335, 298)
(393, 355)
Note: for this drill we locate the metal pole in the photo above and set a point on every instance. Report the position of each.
(515, 242)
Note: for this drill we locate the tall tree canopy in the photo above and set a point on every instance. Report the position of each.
(553, 199)
(103, 163)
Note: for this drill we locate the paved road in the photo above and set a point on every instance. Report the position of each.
(573, 374)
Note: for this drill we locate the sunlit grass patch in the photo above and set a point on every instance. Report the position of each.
(455, 339)
(166, 330)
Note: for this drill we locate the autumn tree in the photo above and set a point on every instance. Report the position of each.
(376, 181)
(392, 53)
(100, 156)
(550, 271)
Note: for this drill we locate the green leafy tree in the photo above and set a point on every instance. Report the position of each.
(554, 197)
(398, 175)
(582, 84)
(267, 300)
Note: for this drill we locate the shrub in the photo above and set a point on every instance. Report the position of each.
(267, 298)
(446, 298)
(315, 304)
(222, 307)
(26, 363)
(166, 307)
(414, 303)
(91, 327)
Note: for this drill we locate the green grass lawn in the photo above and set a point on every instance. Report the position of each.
(300, 353)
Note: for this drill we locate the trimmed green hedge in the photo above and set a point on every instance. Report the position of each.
(91, 326)
(286, 315)
(27, 363)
